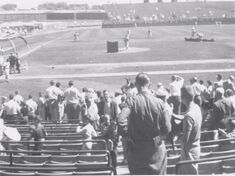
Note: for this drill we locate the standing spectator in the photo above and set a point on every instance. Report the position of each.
(175, 98)
(12, 61)
(61, 107)
(197, 90)
(132, 91)
(41, 106)
(72, 96)
(52, 93)
(191, 131)
(11, 110)
(17, 63)
(108, 106)
(210, 90)
(32, 107)
(229, 83)
(122, 129)
(219, 82)
(3, 100)
(18, 98)
(89, 110)
(6, 70)
(148, 124)
(222, 110)
(125, 87)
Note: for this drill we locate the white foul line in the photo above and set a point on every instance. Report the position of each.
(141, 64)
(120, 74)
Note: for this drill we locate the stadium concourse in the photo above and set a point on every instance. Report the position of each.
(55, 56)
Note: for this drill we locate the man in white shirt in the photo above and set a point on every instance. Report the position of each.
(175, 92)
(18, 98)
(11, 109)
(52, 93)
(32, 107)
(72, 96)
(197, 90)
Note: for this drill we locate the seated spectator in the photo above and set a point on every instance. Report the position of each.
(227, 133)
(109, 132)
(37, 133)
(88, 132)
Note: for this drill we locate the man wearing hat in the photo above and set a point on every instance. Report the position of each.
(190, 148)
(148, 124)
(72, 96)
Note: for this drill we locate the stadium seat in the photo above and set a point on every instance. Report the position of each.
(35, 159)
(223, 153)
(4, 173)
(172, 160)
(54, 174)
(170, 169)
(209, 148)
(93, 158)
(64, 158)
(228, 166)
(211, 167)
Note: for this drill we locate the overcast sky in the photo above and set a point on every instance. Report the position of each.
(35, 3)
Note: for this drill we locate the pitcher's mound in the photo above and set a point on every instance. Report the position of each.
(133, 50)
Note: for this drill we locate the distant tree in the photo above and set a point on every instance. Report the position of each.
(8, 7)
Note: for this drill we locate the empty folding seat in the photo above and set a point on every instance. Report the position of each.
(172, 160)
(228, 166)
(209, 148)
(64, 158)
(210, 167)
(5, 173)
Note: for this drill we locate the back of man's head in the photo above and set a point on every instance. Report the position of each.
(142, 80)
(11, 97)
(70, 83)
(219, 77)
(187, 93)
(219, 93)
(30, 96)
(52, 82)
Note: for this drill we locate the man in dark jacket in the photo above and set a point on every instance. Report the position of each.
(148, 124)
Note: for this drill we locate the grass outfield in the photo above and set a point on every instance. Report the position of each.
(57, 54)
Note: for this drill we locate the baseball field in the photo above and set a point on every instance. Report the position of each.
(57, 56)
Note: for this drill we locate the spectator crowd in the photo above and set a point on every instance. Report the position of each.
(144, 117)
